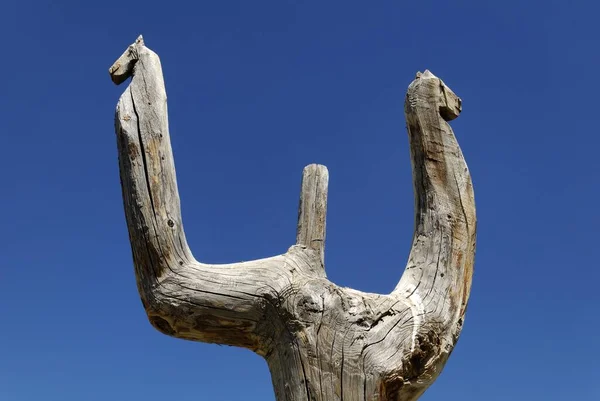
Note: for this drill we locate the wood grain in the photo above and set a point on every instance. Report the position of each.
(322, 342)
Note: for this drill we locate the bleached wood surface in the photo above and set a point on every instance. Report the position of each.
(322, 342)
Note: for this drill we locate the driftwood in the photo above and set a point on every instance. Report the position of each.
(321, 341)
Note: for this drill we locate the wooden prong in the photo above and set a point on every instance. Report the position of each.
(313, 209)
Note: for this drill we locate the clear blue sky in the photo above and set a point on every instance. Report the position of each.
(257, 90)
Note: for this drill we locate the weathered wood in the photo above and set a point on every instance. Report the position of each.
(313, 208)
(322, 342)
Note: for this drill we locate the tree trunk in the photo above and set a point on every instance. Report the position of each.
(322, 342)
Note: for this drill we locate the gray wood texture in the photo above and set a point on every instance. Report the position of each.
(322, 342)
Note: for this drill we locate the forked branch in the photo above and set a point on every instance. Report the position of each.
(322, 342)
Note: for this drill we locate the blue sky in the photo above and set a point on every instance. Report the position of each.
(257, 90)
